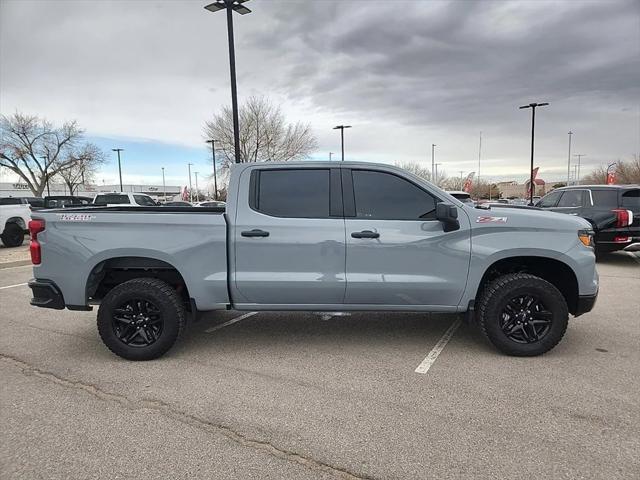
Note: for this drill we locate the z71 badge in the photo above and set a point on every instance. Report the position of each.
(75, 217)
(491, 220)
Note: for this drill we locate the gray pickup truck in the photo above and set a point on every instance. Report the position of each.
(314, 236)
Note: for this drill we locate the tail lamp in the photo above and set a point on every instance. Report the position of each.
(624, 218)
(35, 227)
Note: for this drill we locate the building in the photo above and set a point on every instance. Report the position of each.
(18, 189)
(513, 189)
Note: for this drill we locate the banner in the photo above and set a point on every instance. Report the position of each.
(611, 176)
(468, 183)
(529, 186)
(184, 194)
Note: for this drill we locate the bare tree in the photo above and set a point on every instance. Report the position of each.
(34, 149)
(598, 176)
(626, 171)
(265, 135)
(416, 169)
(81, 166)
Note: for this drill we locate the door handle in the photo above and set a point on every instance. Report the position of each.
(365, 234)
(256, 232)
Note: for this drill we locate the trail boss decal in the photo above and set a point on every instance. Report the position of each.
(491, 220)
(75, 217)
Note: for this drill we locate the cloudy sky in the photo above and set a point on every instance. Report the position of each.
(145, 75)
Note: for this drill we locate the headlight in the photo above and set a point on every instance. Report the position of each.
(586, 237)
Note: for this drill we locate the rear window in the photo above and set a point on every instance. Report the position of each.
(631, 198)
(144, 201)
(605, 198)
(113, 199)
(300, 193)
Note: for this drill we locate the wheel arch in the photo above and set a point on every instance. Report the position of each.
(17, 220)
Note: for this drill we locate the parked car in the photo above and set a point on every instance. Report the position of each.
(33, 202)
(464, 197)
(212, 203)
(65, 201)
(122, 198)
(612, 210)
(315, 236)
(14, 219)
(176, 203)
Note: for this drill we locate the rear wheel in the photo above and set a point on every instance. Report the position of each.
(522, 315)
(13, 235)
(141, 319)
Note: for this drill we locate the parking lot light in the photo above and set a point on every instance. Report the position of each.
(118, 150)
(533, 107)
(341, 128)
(215, 175)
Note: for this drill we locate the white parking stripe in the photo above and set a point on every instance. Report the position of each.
(230, 322)
(433, 354)
(12, 286)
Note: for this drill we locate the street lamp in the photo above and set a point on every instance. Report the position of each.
(341, 128)
(197, 190)
(433, 165)
(532, 106)
(579, 155)
(436, 179)
(164, 187)
(569, 158)
(190, 194)
(215, 175)
(231, 6)
(118, 150)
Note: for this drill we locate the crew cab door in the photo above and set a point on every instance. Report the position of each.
(398, 254)
(572, 202)
(289, 237)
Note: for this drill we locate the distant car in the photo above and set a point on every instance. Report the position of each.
(122, 198)
(33, 202)
(612, 210)
(176, 203)
(14, 219)
(65, 201)
(211, 203)
(464, 197)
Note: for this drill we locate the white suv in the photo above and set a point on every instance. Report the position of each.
(121, 198)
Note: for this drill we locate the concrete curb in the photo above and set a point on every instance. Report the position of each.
(17, 263)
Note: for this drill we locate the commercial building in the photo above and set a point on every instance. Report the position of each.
(18, 189)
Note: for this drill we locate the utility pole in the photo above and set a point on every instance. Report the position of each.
(190, 192)
(433, 165)
(215, 175)
(579, 155)
(164, 187)
(569, 158)
(341, 128)
(532, 106)
(231, 6)
(197, 191)
(118, 150)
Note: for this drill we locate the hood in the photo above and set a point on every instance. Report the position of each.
(524, 218)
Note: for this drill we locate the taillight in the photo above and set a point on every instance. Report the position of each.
(35, 227)
(624, 218)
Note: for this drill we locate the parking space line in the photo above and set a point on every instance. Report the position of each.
(634, 256)
(12, 286)
(230, 322)
(435, 351)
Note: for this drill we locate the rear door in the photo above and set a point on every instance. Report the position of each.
(289, 237)
(572, 202)
(397, 252)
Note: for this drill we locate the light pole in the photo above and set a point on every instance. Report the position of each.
(118, 150)
(479, 154)
(579, 155)
(231, 6)
(532, 106)
(197, 191)
(215, 175)
(190, 193)
(330, 154)
(46, 174)
(569, 158)
(433, 168)
(164, 187)
(436, 180)
(341, 128)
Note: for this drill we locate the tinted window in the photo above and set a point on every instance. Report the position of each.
(605, 198)
(144, 200)
(571, 198)
(549, 200)
(10, 201)
(631, 198)
(383, 196)
(112, 199)
(293, 193)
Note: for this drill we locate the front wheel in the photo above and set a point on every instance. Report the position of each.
(141, 319)
(522, 315)
(13, 235)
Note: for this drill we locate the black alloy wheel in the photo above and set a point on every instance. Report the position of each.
(137, 322)
(525, 319)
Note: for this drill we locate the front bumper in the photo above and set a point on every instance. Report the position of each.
(585, 304)
(46, 294)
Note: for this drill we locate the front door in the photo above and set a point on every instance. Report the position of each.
(397, 252)
(289, 238)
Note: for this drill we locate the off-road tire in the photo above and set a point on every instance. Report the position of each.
(494, 299)
(13, 235)
(161, 295)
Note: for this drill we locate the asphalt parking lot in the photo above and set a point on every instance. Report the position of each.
(293, 395)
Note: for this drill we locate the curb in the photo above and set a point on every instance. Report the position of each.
(17, 263)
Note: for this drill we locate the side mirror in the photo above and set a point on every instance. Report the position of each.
(447, 213)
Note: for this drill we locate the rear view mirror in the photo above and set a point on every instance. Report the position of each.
(447, 213)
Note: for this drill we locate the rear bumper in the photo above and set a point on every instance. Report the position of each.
(585, 304)
(46, 294)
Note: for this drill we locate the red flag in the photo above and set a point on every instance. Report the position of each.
(468, 183)
(611, 177)
(531, 187)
